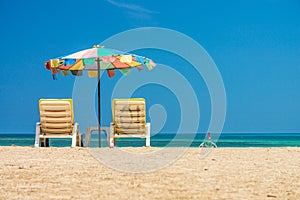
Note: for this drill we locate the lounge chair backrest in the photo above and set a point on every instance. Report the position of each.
(56, 116)
(129, 116)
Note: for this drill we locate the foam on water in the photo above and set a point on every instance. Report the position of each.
(163, 140)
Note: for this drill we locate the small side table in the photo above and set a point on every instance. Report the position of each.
(89, 131)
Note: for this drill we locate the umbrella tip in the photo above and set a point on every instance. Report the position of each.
(98, 46)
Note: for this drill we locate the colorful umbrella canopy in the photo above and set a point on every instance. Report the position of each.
(95, 59)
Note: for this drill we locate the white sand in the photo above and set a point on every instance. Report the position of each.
(65, 173)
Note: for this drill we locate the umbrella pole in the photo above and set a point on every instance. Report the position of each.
(99, 105)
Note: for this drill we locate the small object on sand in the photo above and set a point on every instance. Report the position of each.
(208, 143)
(271, 195)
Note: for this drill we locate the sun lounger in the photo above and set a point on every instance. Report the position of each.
(129, 120)
(56, 121)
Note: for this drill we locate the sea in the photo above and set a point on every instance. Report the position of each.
(170, 140)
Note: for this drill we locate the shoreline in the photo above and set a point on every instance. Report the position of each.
(163, 140)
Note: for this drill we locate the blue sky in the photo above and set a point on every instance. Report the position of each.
(255, 44)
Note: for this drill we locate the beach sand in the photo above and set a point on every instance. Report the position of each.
(226, 173)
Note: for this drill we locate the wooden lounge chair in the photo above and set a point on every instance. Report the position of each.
(129, 120)
(56, 121)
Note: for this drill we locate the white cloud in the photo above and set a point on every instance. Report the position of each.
(132, 7)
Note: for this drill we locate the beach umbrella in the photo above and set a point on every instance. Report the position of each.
(95, 59)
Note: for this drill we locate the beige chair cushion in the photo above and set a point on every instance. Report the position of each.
(56, 116)
(129, 116)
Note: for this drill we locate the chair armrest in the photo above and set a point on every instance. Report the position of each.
(38, 128)
(76, 127)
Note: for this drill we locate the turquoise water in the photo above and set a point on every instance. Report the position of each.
(166, 140)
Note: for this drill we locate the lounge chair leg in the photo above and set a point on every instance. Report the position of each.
(78, 140)
(74, 137)
(74, 134)
(148, 135)
(37, 134)
(45, 142)
(88, 133)
(111, 136)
